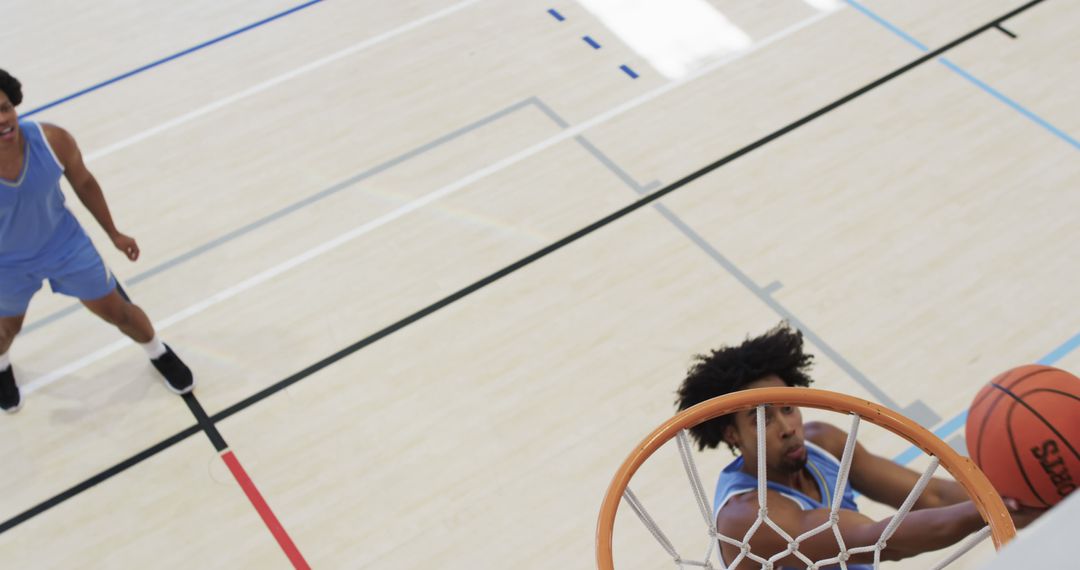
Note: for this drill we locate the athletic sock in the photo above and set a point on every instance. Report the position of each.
(155, 348)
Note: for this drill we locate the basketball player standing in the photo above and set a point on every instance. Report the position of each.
(40, 239)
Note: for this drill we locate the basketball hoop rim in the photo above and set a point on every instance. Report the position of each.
(982, 493)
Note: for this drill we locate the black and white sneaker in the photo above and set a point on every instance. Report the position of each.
(177, 375)
(10, 398)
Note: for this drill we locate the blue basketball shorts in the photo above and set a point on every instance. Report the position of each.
(78, 271)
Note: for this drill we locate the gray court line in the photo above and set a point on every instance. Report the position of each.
(600, 156)
(766, 298)
(610, 164)
(927, 416)
(918, 411)
(301, 204)
(550, 113)
(336, 188)
(772, 287)
(763, 293)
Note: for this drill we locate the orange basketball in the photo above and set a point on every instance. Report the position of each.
(1023, 431)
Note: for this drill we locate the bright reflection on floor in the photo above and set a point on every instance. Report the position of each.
(677, 37)
(824, 5)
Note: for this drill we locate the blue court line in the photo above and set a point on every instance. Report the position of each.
(887, 24)
(629, 71)
(971, 78)
(1022, 110)
(591, 42)
(1060, 352)
(164, 60)
(556, 13)
(948, 428)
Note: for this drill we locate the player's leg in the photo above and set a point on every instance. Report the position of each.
(16, 289)
(10, 399)
(128, 317)
(85, 277)
(133, 322)
(9, 327)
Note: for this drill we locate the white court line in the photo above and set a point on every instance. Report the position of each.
(443, 192)
(259, 88)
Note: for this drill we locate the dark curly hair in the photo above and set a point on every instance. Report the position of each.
(730, 368)
(11, 87)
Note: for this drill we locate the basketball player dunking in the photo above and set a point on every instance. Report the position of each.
(40, 239)
(802, 467)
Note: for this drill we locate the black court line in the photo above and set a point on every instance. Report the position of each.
(192, 402)
(205, 424)
(99, 478)
(648, 199)
(466, 291)
(1006, 32)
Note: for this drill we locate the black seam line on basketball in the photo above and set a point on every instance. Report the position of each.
(207, 426)
(1049, 426)
(622, 212)
(96, 479)
(1007, 380)
(511, 268)
(1067, 395)
(1016, 456)
(977, 452)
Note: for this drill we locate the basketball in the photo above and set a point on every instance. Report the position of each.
(1023, 431)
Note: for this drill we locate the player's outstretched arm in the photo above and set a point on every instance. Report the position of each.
(881, 479)
(920, 531)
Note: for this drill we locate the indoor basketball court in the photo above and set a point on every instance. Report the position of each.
(439, 266)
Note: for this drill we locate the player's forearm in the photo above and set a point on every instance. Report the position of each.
(931, 529)
(941, 493)
(950, 492)
(90, 194)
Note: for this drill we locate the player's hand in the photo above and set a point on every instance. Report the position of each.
(127, 245)
(1021, 515)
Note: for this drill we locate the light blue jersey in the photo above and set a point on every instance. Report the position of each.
(825, 469)
(40, 239)
(35, 225)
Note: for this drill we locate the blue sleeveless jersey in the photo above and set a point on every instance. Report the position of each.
(825, 469)
(35, 225)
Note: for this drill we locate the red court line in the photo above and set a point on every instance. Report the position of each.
(264, 511)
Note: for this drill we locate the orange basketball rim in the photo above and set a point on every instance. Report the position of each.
(978, 487)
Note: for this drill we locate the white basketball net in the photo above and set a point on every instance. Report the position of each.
(843, 552)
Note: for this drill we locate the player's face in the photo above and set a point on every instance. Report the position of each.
(784, 448)
(9, 120)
